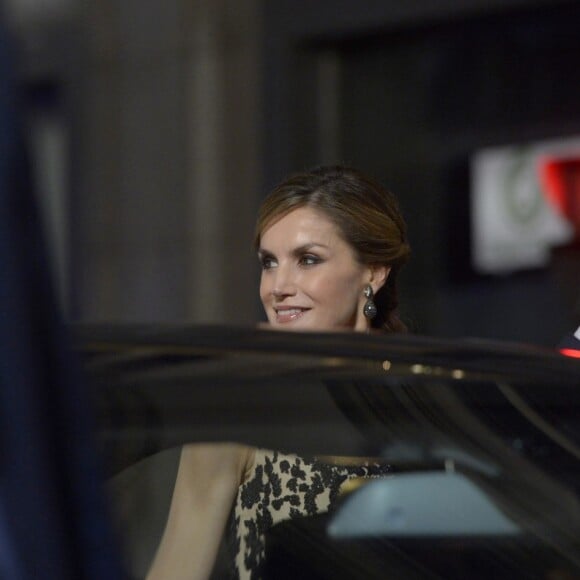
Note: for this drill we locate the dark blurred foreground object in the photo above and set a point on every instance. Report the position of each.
(484, 438)
(52, 513)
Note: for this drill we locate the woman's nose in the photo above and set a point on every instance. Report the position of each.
(284, 284)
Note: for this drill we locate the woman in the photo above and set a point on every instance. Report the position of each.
(331, 243)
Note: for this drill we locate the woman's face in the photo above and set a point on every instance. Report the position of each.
(311, 279)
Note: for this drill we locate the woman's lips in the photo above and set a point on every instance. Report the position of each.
(284, 315)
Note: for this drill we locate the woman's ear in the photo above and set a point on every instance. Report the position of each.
(379, 275)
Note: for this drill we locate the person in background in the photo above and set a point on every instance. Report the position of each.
(331, 243)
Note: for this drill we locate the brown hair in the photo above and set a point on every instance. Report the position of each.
(366, 214)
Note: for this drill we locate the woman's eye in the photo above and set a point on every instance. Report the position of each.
(267, 262)
(309, 260)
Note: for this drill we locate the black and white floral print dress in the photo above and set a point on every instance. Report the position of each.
(281, 487)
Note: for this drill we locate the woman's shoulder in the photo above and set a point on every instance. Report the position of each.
(216, 460)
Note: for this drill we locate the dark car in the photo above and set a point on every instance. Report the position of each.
(483, 437)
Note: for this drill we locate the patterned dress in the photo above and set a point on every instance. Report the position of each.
(282, 487)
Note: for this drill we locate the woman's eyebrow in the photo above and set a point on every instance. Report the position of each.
(298, 250)
(262, 253)
(305, 247)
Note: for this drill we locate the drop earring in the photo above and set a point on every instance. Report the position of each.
(370, 308)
